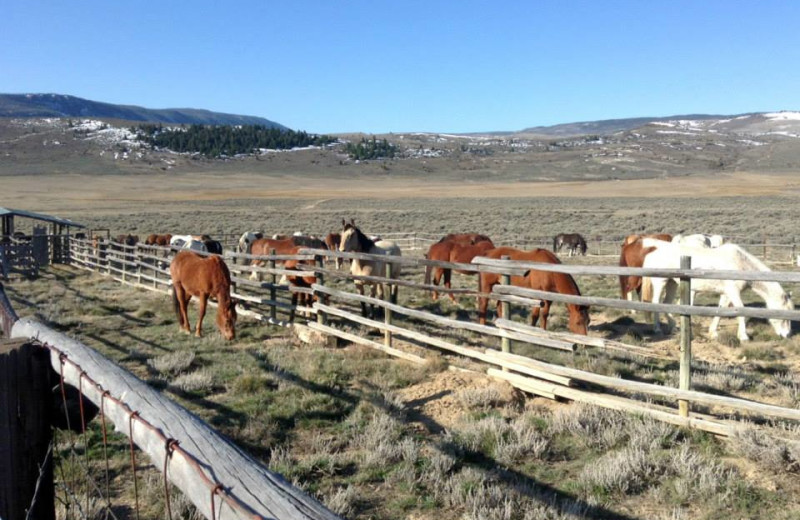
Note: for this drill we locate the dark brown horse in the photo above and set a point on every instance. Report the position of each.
(204, 277)
(455, 252)
(538, 280)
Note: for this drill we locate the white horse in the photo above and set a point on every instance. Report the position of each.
(188, 242)
(353, 240)
(725, 257)
(699, 240)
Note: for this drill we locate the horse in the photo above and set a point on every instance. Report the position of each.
(204, 277)
(158, 240)
(332, 241)
(574, 242)
(465, 238)
(304, 279)
(128, 240)
(265, 246)
(188, 242)
(699, 240)
(632, 255)
(538, 280)
(354, 240)
(667, 255)
(666, 237)
(246, 241)
(455, 252)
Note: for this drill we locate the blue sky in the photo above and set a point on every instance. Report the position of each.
(379, 66)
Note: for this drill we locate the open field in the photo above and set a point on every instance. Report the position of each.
(374, 437)
(378, 438)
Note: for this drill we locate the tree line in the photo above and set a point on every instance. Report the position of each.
(370, 149)
(217, 141)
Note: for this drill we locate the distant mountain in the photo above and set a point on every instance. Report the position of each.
(610, 126)
(58, 105)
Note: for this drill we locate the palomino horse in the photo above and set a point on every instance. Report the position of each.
(572, 241)
(354, 241)
(332, 241)
(538, 280)
(667, 255)
(204, 277)
(452, 252)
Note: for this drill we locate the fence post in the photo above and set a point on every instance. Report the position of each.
(387, 296)
(322, 318)
(25, 431)
(505, 309)
(686, 337)
(273, 310)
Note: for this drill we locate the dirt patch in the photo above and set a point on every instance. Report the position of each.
(439, 403)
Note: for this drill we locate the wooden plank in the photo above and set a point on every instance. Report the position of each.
(735, 403)
(537, 340)
(691, 310)
(261, 491)
(709, 274)
(327, 329)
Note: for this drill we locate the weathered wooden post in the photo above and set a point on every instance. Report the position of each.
(686, 337)
(505, 309)
(273, 294)
(322, 317)
(26, 463)
(387, 296)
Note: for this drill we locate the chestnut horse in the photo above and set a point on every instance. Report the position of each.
(632, 255)
(465, 238)
(204, 277)
(303, 279)
(539, 280)
(158, 240)
(284, 246)
(332, 241)
(452, 252)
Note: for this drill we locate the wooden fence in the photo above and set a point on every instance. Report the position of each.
(336, 314)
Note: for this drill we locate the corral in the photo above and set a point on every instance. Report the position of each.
(503, 458)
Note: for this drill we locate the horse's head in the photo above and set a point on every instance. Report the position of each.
(349, 238)
(579, 319)
(226, 319)
(783, 327)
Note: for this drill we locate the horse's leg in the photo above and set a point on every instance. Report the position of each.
(360, 288)
(658, 285)
(180, 297)
(736, 301)
(448, 273)
(437, 277)
(201, 313)
(376, 291)
(670, 292)
(544, 313)
(483, 302)
(712, 329)
(535, 311)
(292, 310)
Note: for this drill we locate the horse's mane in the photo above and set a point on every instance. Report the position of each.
(747, 258)
(364, 242)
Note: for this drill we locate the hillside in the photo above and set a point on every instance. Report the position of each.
(753, 143)
(57, 105)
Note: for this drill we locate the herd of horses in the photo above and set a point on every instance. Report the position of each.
(207, 276)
